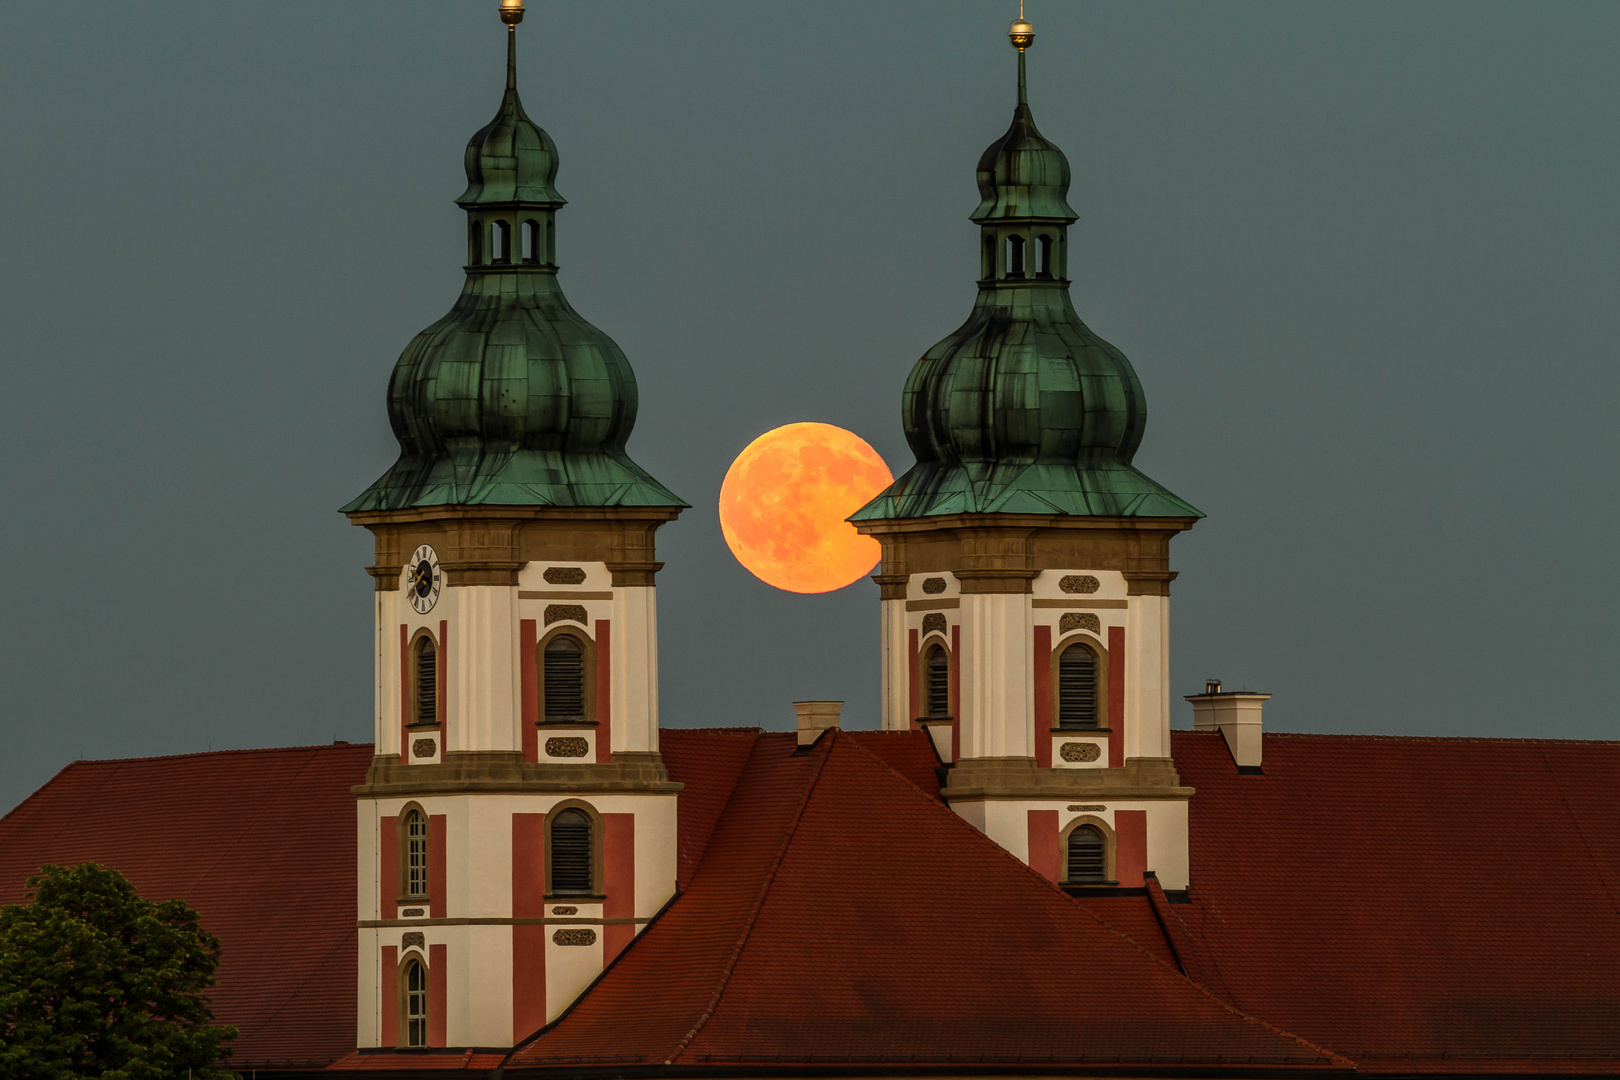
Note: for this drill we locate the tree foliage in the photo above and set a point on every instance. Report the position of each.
(97, 982)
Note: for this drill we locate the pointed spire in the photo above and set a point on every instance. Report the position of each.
(1022, 36)
(511, 59)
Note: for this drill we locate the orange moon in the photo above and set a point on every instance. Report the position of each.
(784, 501)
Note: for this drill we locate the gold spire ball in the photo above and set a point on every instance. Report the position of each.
(511, 13)
(1022, 34)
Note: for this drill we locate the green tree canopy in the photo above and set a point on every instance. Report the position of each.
(97, 982)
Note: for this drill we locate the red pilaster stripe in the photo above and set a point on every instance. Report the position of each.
(388, 996)
(404, 693)
(444, 688)
(529, 680)
(1116, 697)
(1043, 702)
(438, 884)
(914, 696)
(528, 866)
(1043, 842)
(388, 867)
(438, 988)
(618, 881)
(956, 687)
(604, 690)
(528, 941)
(1130, 847)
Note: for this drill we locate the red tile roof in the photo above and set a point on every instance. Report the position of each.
(418, 1061)
(708, 761)
(1416, 904)
(260, 842)
(843, 917)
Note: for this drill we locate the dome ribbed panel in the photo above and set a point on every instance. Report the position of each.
(513, 398)
(1023, 410)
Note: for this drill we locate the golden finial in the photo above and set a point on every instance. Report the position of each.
(511, 13)
(1021, 33)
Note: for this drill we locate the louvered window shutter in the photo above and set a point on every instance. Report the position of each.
(427, 682)
(1087, 862)
(565, 678)
(1077, 688)
(939, 683)
(571, 852)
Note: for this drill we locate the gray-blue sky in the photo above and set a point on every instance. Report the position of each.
(1364, 258)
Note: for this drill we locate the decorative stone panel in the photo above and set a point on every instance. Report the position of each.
(1079, 583)
(574, 937)
(565, 909)
(933, 623)
(422, 748)
(933, 585)
(1088, 809)
(564, 575)
(413, 937)
(412, 912)
(559, 612)
(567, 746)
(1080, 751)
(1079, 620)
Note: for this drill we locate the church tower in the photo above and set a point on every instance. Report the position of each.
(1025, 580)
(517, 826)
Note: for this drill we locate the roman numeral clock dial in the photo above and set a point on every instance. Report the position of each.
(423, 579)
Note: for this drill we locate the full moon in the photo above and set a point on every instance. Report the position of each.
(784, 501)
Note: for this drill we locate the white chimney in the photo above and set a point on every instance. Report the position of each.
(816, 717)
(1236, 715)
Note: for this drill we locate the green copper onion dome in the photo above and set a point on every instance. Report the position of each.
(1023, 410)
(512, 399)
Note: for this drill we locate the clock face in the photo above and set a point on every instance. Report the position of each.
(423, 579)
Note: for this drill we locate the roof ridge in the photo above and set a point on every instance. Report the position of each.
(215, 753)
(759, 902)
(1483, 739)
(740, 729)
(940, 804)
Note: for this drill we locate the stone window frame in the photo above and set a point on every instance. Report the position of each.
(588, 661)
(1100, 652)
(1110, 849)
(414, 706)
(934, 640)
(413, 958)
(402, 860)
(598, 837)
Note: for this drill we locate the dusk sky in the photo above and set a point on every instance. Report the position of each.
(1364, 258)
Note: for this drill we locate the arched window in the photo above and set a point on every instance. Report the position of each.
(416, 1003)
(565, 679)
(1015, 256)
(1077, 688)
(475, 244)
(937, 684)
(426, 678)
(531, 241)
(416, 854)
(1088, 856)
(1043, 256)
(987, 269)
(500, 247)
(570, 851)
